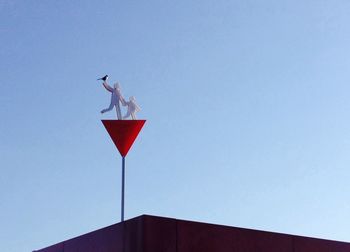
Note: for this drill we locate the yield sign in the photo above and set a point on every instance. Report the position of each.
(123, 133)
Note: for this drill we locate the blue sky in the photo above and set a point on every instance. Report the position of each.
(246, 104)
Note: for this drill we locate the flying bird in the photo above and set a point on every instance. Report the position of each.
(104, 78)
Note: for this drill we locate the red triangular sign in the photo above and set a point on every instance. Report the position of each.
(123, 133)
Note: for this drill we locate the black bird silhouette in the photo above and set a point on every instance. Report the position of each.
(104, 78)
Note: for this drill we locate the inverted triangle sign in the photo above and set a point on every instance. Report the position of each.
(123, 133)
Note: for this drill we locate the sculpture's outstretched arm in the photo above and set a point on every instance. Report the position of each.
(122, 100)
(107, 87)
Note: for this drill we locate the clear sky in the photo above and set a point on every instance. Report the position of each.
(247, 107)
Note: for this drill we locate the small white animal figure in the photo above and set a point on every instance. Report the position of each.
(133, 108)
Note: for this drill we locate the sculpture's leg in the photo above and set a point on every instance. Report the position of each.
(119, 113)
(127, 114)
(133, 116)
(109, 108)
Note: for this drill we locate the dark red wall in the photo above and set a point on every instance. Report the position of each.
(158, 234)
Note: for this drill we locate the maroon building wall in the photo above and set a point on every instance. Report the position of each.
(158, 234)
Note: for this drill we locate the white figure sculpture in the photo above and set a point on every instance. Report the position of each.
(132, 108)
(116, 97)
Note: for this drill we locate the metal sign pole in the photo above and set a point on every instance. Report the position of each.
(123, 188)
